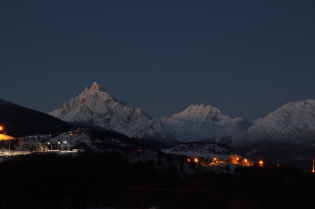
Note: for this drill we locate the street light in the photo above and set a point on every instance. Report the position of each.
(59, 146)
(65, 142)
(50, 145)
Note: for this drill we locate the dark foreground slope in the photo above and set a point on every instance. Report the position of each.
(21, 121)
(108, 179)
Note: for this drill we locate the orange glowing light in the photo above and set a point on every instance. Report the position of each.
(261, 162)
(0, 128)
(188, 160)
(245, 160)
(214, 158)
(196, 160)
(5, 137)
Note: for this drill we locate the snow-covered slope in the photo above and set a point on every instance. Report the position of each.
(94, 105)
(204, 123)
(292, 121)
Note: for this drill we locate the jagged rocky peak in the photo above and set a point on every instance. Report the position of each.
(96, 87)
(201, 112)
(95, 95)
(92, 101)
(95, 106)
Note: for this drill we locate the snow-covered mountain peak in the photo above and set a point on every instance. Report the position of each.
(96, 87)
(95, 96)
(294, 120)
(299, 105)
(204, 123)
(201, 113)
(301, 112)
(94, 105)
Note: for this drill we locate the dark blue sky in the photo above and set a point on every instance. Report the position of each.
(246, 58)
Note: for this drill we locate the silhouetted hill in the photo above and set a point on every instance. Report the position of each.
(21, 121)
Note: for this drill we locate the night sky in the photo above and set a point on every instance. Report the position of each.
(246, 58)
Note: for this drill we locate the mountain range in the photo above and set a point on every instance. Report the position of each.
(290, 128)
(285, 135)
(197, 123)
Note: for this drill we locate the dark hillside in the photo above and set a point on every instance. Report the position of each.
(22, 121)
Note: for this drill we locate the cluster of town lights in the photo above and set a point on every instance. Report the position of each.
(239, 161)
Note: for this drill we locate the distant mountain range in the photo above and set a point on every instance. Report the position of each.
(197, 123)
(291, 127)
(285, 135)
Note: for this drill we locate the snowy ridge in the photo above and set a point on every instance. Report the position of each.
(204, 123)
(294, 120)
(202, 149)
(196, 123)
(94, 105)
